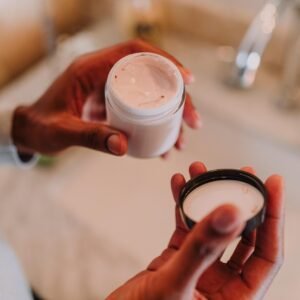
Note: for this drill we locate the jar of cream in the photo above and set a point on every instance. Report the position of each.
(205, 193)
(145, 97)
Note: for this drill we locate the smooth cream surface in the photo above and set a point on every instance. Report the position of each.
(145, 82)
(206, 198)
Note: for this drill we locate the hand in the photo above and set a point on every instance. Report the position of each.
(190, 267)
(55, 122)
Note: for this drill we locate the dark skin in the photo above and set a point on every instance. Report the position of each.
(55, 122)
(190, 267)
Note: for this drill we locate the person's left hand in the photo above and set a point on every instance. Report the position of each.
(72, 111)
(190, 267)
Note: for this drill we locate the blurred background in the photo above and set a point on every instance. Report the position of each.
(84, 222)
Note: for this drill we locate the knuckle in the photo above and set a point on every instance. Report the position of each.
(22, 115)
(138, 44)
(55, 137)
(93, 139)
(275, 262)
(202, 248)
(234, 265)
(78, 75)
(77, 65)
(21, 125)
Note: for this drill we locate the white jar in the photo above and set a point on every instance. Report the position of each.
(145, 97)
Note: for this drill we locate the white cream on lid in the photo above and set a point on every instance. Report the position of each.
(207, 197)
(145, 82)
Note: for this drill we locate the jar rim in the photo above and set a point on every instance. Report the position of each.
(150, 113)
(221, 175)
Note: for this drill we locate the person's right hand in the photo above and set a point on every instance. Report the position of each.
(190, 267)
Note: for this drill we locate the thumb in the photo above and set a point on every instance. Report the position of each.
(202, 247)
(93, 135)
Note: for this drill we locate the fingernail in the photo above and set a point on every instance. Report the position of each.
(198, 121)
(225, 221)
(114, 144)
(181, 143)
(188, 76)
(280, 179)
(166, 155)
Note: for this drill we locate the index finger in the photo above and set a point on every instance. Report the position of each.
(94, 67)
(177, 184)
(178, 181)
(142, 46)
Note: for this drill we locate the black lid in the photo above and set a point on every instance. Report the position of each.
(225, 174)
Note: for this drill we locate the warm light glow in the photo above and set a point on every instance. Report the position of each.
(253, 61)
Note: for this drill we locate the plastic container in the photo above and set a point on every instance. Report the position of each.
(145, 97)
(203, 194)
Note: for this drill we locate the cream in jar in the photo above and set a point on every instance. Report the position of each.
(145, 99)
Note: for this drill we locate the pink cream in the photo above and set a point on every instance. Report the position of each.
(145, 82)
